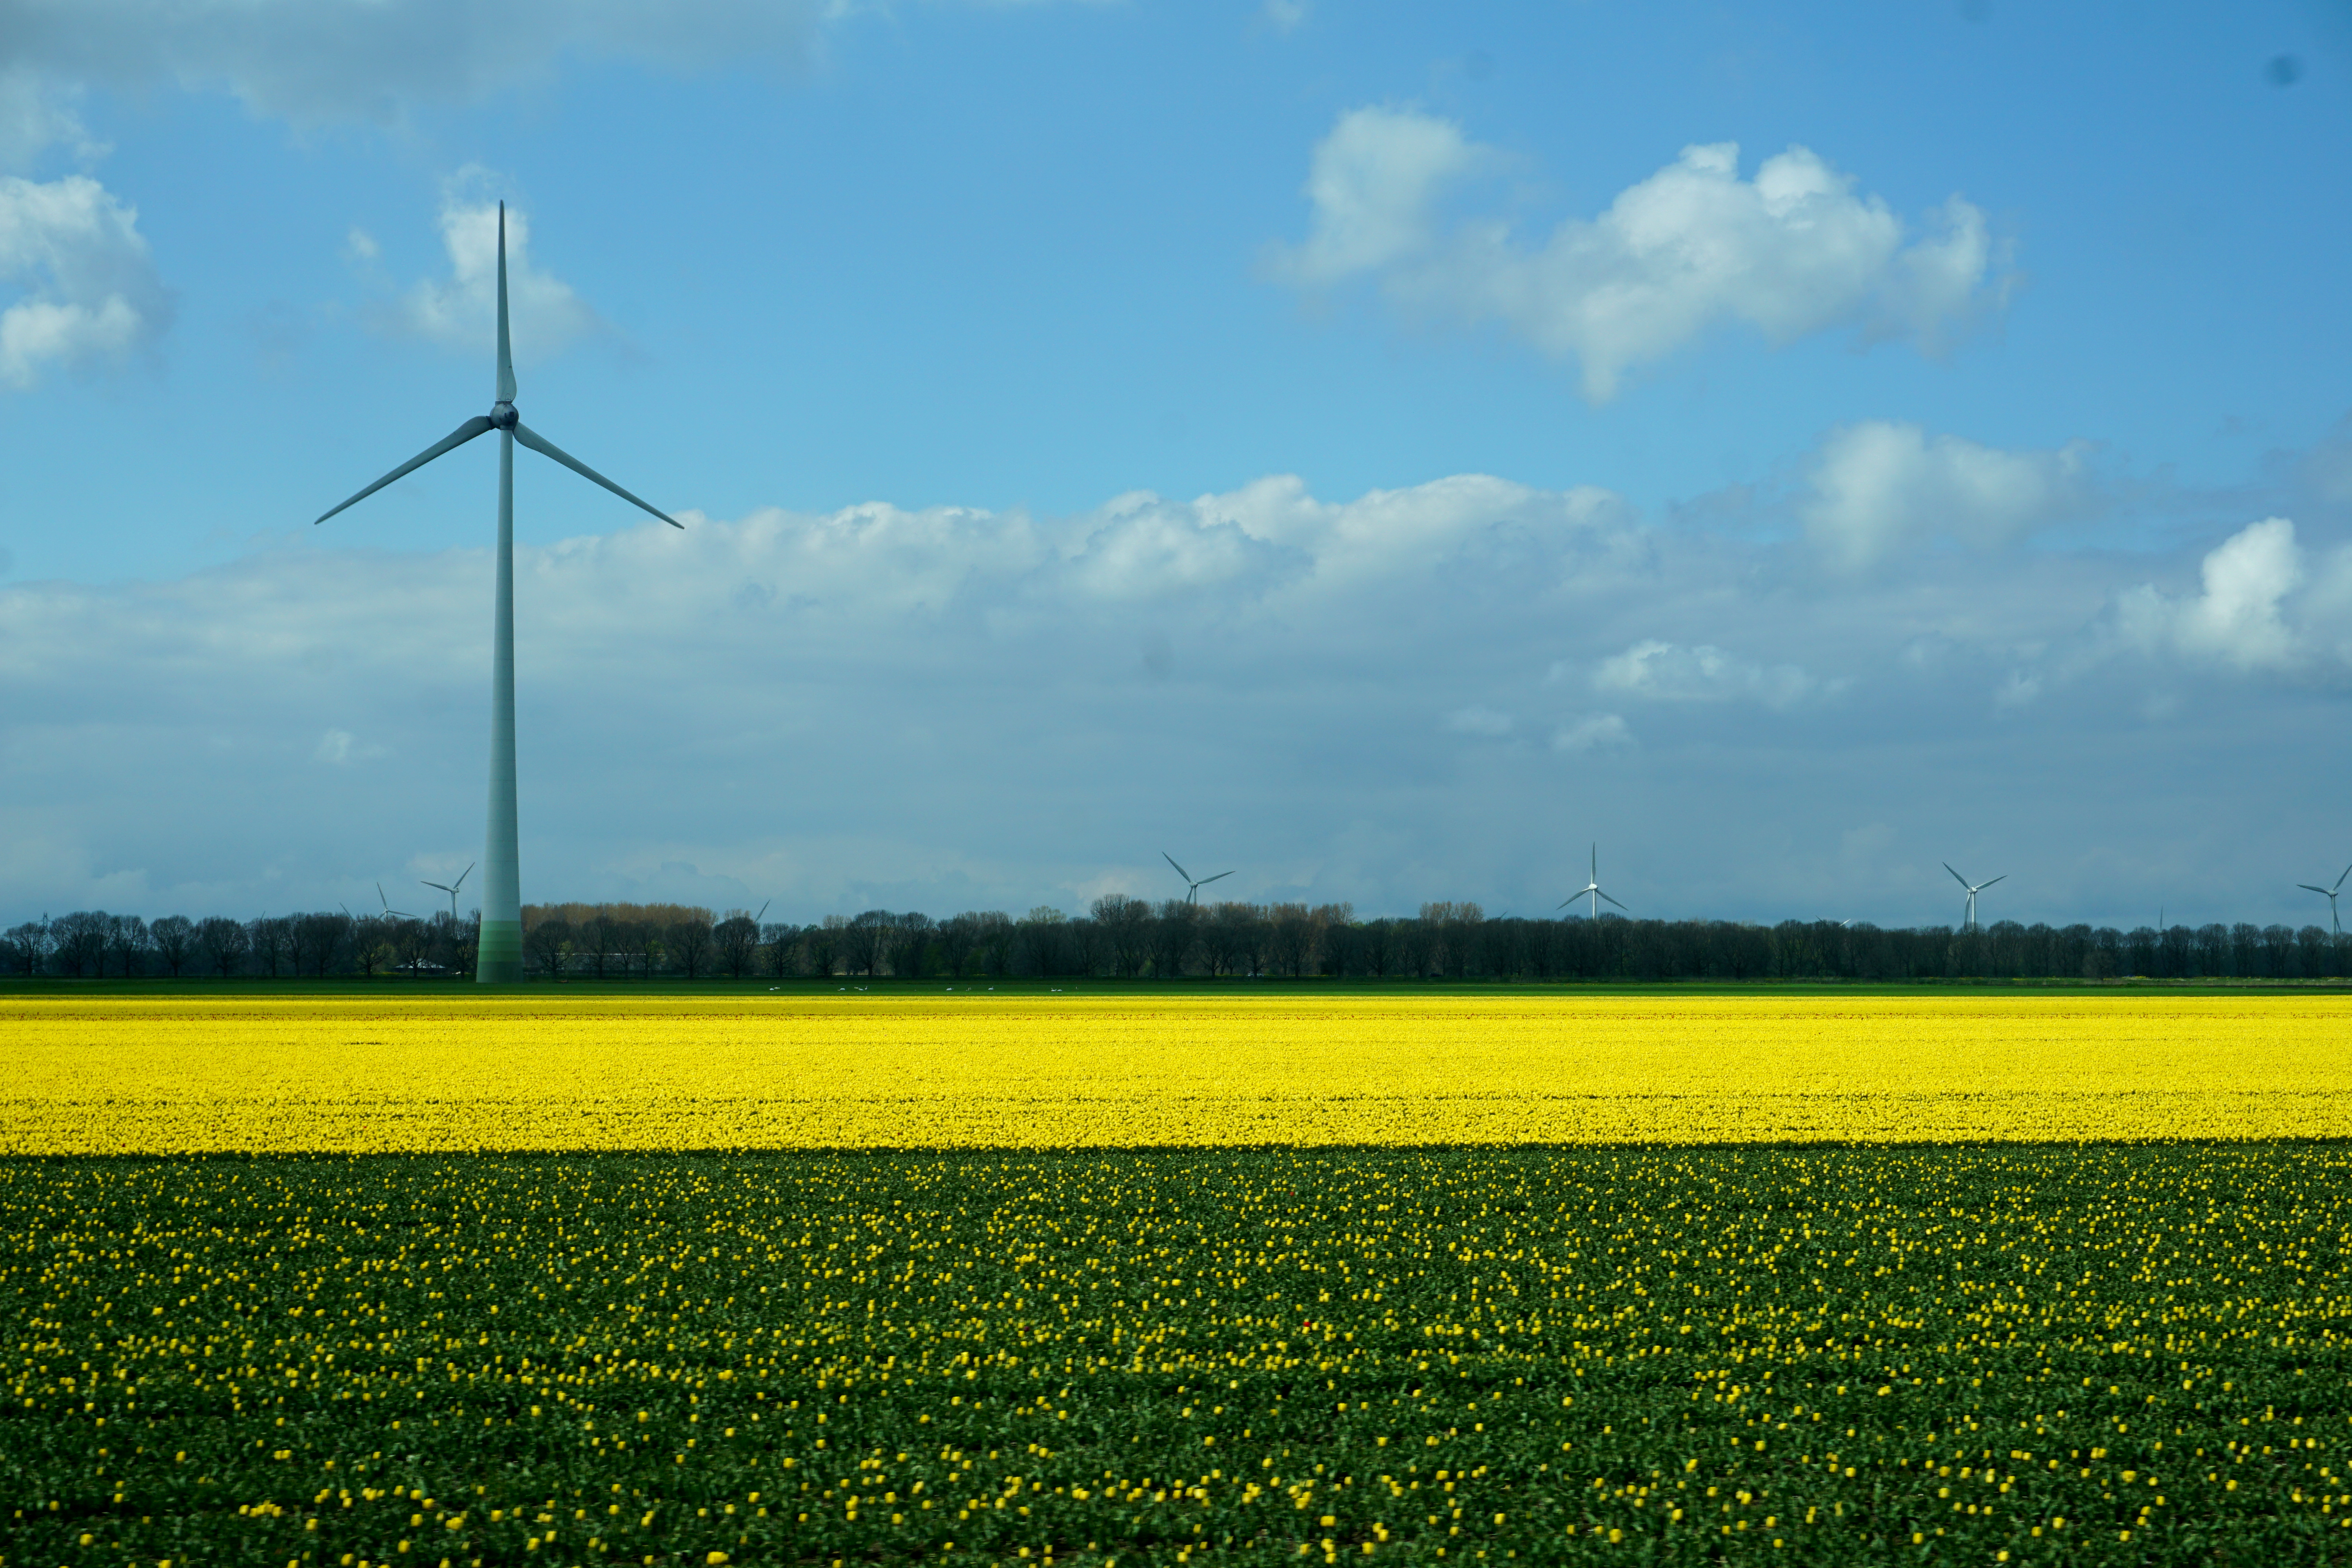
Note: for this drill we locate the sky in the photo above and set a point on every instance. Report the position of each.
(1382, 451)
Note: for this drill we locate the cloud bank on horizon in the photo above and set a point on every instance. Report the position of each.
(1309, 682)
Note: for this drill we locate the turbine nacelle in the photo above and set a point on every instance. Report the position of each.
(503, 417)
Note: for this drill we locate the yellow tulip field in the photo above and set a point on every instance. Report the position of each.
(863, 1279)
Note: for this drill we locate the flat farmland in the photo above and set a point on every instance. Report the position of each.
(550, 1072)
(859, 1279)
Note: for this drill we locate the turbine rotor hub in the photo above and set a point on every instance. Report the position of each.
(503, 416)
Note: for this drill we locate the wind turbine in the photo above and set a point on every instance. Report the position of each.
(396, 914)
(1970, 924)
(451, 887)
(1191, 888)
(1591, 891)
(500, 954)
(2329, 894)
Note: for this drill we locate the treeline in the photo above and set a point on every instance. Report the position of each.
(1126, 938)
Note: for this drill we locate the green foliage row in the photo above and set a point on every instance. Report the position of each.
(2111, 1355)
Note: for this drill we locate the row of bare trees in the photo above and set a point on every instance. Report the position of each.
(1126, 938)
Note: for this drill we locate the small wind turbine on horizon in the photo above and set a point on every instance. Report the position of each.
(388, 909)
(1591, 891)
(1191, 888)
(451, 889)
(2329, 894)
(1970, 923)
(500, 956)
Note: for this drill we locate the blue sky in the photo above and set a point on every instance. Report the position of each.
(1383, 448)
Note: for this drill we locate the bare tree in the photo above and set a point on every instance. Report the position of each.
(910, 943)
(1175, 932)
(959, 938)
(603, 933)
(1125, 926)
(864, 942)
(1290, 939)
(80, 942)
(645, 939)
(546, 943)
(737, 939)
(779, 940)
(689, 942)
(824, 943)
(370, 941)
(126, 939)
(225, 942)
(28, 945)
(1044, 940)
(412, 940)
(174, 940)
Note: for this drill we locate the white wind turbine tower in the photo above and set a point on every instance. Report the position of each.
(1191, 888)
(2329, 894)
(501, 954)
(1971, 923)
(451, 889)
(1591, 891)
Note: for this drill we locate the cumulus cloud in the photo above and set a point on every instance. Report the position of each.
(328, 61)
(460, 312)
(1878, 486)
(86, 288)
(1790, 253)
(2237, 620)
(1669, 672)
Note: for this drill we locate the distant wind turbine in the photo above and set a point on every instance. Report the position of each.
(396, 914)
(451, 889)
(501, 954)
(2329, 894)
(1591, 891)
(1970, 924)
(1192, 889)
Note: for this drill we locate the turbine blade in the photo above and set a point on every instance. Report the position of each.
(506, 353)
(1612, 901)
(2348, 872)
(2322, 892)
(1180, 871)
(1963, 882)
(465, 873)
(440, 886)
(1565, 902)
(547, 448)
(763, 914)
(1218, 877)
(1980, 887)
(477, 425)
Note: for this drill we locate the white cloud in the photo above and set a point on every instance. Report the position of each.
(1669, 672)
(36, 114)
(2238, 619)
(1478, 720)
(1792, 253)
(461, 311)
(86, 288)
(1878, 486)
(1592, 732)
